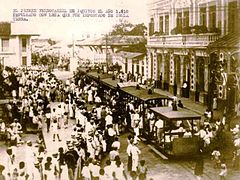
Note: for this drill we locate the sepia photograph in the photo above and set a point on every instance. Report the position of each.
(120, 90)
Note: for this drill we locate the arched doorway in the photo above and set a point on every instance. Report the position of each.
(151, 64)
(200, 68)
(177, 77)
(159, 65)
(166, 72)
(159, 71)
(186, 77)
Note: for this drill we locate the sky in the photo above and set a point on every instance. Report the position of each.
(69, 28)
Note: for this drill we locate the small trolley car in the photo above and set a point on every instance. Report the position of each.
(175, 132)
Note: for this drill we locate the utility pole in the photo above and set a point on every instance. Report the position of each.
(73, 42)
(106, 45)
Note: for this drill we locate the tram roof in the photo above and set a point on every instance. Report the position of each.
(143, 93)
(96, 74)
(110, 82)
(166, 113)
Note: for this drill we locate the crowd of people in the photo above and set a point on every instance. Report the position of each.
(99, 120)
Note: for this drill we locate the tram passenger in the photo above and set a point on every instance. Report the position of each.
(150, 118)
(159, 127)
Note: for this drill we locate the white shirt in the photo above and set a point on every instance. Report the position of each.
(95, 170)
(108, 119)
(86, 172)
(135, 151)
(159, 124)
(129, 148)
(116, 144)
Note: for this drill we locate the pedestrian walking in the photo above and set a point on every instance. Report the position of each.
(48, 118)
(135, 151)
(55, 130)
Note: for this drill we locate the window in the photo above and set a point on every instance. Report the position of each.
(167, 24)
(186, 19)
(5, 45)
(151, 27)
(161, 24)
(212, 18)
(203, 16)
(24, 44)
(179, 20)
(24, 61)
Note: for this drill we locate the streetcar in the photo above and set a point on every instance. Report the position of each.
(177, 136)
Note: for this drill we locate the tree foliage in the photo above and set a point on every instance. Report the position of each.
(38, 59)
(126, 28)
(51, 42)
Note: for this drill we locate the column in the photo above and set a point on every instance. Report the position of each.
(181, 69)
(140, 66)
(171, 69)
(222, 17)
(172, 18)
(192, 75)
(198, 19)
(163, 69)
(164, 23)
(154, 65)
(207, 15)
(218, 8)
(134, 68)
(146, 59)
(156, 23)
(172, 75)
(226, 18)
(182, 18)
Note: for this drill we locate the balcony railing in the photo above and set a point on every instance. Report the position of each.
(182, 40)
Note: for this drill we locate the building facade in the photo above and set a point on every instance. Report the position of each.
(129, 62)
(180, 32)
(15, 46)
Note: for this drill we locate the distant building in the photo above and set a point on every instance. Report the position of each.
(15, 45)
(179, 35)
(39, 45)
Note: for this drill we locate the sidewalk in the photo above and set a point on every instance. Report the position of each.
(189, 104)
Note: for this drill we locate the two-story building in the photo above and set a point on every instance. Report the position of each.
(15, 45)
(180, 32)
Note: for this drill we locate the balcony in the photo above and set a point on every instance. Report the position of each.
(182, 40)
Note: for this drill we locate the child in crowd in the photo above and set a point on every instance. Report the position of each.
(216, 157)
(142, 170)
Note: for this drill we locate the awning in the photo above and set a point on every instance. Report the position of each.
(231, 40)
(129, 55)
(112, 40)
